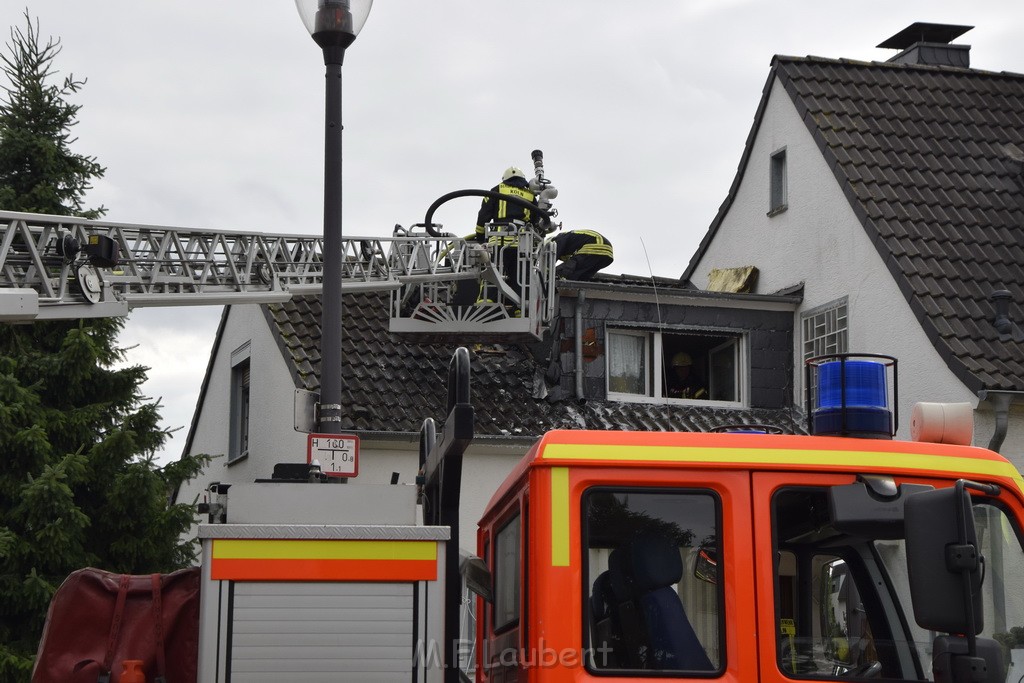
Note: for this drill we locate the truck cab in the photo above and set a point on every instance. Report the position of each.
(619, 556)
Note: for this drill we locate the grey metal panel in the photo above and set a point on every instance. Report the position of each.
(325, 532)
(312, 628)
(328, 601)
(340, 632)
(327, 677)
(303, 503)
(366, 617)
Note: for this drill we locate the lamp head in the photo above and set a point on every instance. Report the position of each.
(334, 24)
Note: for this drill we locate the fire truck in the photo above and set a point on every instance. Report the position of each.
(606, 556)
(638, 556)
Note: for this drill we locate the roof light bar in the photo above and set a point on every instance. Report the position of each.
(848, 395)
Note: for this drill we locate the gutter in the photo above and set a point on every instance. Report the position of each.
(1001, 401)
(412, 438)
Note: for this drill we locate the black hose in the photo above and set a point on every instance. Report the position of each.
(491, 194)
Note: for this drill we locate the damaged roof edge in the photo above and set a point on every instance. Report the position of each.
(786, 299)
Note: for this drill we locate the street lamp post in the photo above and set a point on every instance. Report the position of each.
(334, 24)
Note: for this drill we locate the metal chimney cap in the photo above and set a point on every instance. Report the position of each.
(923, 32)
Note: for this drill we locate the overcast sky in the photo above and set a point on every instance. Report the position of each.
(209, 114)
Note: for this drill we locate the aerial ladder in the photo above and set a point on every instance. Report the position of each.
(62, 267)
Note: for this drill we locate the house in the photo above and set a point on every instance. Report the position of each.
(604, 365)
(893, 193)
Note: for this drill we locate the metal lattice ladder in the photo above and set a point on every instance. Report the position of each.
(60, 267)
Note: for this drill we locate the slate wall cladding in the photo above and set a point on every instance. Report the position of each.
(769, 334)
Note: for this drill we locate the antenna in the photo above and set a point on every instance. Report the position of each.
(657, 307)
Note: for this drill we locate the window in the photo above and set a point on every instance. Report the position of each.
(844, 607)
(653, 598)
(506, 575)
(238, 442)
(628, 362)
(778, 199)
(674, 366)
(825, 329)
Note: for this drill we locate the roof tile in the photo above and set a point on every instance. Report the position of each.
(391, 384)
(921, 148)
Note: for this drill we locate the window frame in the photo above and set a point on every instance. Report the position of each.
(240, 403)
(874, 588)
(586, 580)
(820, 344)
(499, 573)
(654, 353)
(647, 357)
(736, 372)
(778, 182)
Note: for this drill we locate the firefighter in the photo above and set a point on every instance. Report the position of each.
(681, 381)
(513, 183)
(505, 247)
(582, 252)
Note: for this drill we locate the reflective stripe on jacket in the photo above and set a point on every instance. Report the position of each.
(503, 211)
(573, 242)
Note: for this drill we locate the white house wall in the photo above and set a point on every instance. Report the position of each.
(273, 439)
(819, 241)
(484, 467)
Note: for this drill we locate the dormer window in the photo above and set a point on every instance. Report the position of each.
(675, 367)
(778, 200)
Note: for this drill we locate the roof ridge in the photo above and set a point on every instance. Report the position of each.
(895, 65)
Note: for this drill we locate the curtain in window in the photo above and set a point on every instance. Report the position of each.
(626, 369)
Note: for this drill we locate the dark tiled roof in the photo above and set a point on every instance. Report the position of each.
(390, 385)
(920, 153)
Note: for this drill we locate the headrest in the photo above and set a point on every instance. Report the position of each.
(618, 576)
(600, 598)
(655, 562)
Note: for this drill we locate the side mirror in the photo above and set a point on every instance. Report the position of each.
(478, 578)
(944, 568)
(705, 567)
(941, 547)
(952, 664)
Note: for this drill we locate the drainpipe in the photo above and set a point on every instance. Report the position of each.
(580, 298)
(1001, 401)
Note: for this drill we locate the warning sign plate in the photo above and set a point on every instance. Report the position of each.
(338, 454)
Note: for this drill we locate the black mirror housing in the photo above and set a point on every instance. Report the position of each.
(934, 523)
(950, 663)
(478, 578)
(871, 511)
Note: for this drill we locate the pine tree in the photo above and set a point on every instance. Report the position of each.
(38, 171)
(78, 484)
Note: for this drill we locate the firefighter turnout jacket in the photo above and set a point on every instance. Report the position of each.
(581, 242)
(502, 211)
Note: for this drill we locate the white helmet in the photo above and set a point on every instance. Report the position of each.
(513, 172)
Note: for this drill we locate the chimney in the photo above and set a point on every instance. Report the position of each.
(923, 43)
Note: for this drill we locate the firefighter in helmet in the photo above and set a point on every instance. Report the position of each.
(682, 383)
(514, 184)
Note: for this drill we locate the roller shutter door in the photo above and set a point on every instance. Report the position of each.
(338, 632)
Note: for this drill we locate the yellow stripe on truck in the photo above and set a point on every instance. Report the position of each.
(559, 516)
(860, 460)
(283, 549)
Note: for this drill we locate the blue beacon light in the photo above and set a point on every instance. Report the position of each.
(852, 397)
